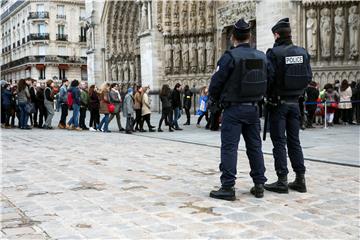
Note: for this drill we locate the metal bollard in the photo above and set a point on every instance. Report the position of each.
(325, 120)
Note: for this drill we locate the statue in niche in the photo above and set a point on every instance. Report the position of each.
(159, 15)
(201, 54)
(193, 55)
(126, 71)
(113, 72)
(339, 21)
(184, 17)
(168, 17)
(193, 16)
(144, 17)
(354, 32)
(202, 10)
(210, 54)
(120, 72)
(132, 72)
(177, 55)
(325, 32)
(176, 20)
(168, 55)
(210, 16)
(311, 32)
(185, 55)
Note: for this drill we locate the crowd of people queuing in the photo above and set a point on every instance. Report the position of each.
(33, 104)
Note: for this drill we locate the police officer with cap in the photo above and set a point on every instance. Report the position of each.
(239, 82)
(288, 76)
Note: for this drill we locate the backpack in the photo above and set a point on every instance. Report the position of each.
(70, 99)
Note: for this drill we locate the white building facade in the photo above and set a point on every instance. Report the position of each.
(43, 40)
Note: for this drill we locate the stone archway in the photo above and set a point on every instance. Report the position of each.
(122, 42)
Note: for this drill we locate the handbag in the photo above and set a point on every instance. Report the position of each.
(30, 108)
(111, 107)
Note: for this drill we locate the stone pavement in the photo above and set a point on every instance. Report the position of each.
(84, 185)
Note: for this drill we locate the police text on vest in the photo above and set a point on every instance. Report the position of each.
(294, 60)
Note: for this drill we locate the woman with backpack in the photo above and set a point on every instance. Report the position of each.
(345, 105)
(104, 109)
(145, 111)
(187, 103)
(115, 99)
(74, 103)
(332, 98)
(137, 107)
(23, 97)
(94, 106)
(165, 97)
(203, 111)
(49, 103)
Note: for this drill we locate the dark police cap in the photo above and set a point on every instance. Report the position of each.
(282, 23)
(241, 26)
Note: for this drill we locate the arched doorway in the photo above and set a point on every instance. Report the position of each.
(122, 43)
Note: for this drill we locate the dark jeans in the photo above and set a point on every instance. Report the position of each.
(237, 120)
(24, 116)
(105, 122)
(310, 114)
(42, 114)
(201, 117)
(5, 115)
(64, 113)
(146, 118)
(118, 119)
(187, 112)
(167, 116)
(74, 120)
(284, 131)
(82, 117)
(346, 115)
(94, 118)
(138, 118)
(33, 116)
(177, 115)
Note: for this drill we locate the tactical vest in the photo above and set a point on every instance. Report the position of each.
(292, 73)
(248, 80)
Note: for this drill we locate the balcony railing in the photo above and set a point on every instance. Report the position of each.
(23, 40)
(61, 37)
(61, 16)
(38, 15)
(45, 59)
(82, 38)
(38, 36)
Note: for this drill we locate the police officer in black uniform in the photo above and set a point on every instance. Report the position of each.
(288, 76)
(239, 82)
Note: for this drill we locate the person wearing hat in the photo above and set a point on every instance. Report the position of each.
(288, 76)
(238, 84)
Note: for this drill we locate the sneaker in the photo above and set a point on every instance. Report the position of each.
(91, 129)
(61, 126)
(78, 129)
(198, 126)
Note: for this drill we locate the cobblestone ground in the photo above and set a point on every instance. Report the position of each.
(61, 184)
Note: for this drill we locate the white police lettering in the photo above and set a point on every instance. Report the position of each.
(217, 68)
(294, 59)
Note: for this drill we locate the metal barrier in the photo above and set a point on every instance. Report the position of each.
(325, 103)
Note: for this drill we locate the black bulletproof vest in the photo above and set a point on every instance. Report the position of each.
(248, 80)
(292, 71)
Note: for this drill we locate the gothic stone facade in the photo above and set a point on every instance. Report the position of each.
(157, 42)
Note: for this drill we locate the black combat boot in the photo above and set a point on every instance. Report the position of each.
(257, 190)
(224, 193)
(299, 183)
(280, 186)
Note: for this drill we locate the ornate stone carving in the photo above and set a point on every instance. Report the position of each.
(311, 32)
(210, 17)
(339, 21)
(177, 55)
(144, 17)
(354, 22)
(193, 16)
(132, 72)
(201, 54)
(185, 55)
(167, 27)
(126, 71)
(201, 14)
(193, 55)
(120, 72)
(184, 17)
(231, 13)
(176, 18)
(159, 14)
(325, 32)
(113, 72)
(168, 55)
(210, 54)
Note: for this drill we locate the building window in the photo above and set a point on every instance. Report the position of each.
(42, 50)
(61, 12)
(62, 74)
(61, 29)
(41, 28)
(40, 8)
(42, 74)
(83, 74)
(82, 14)
(82, 34)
